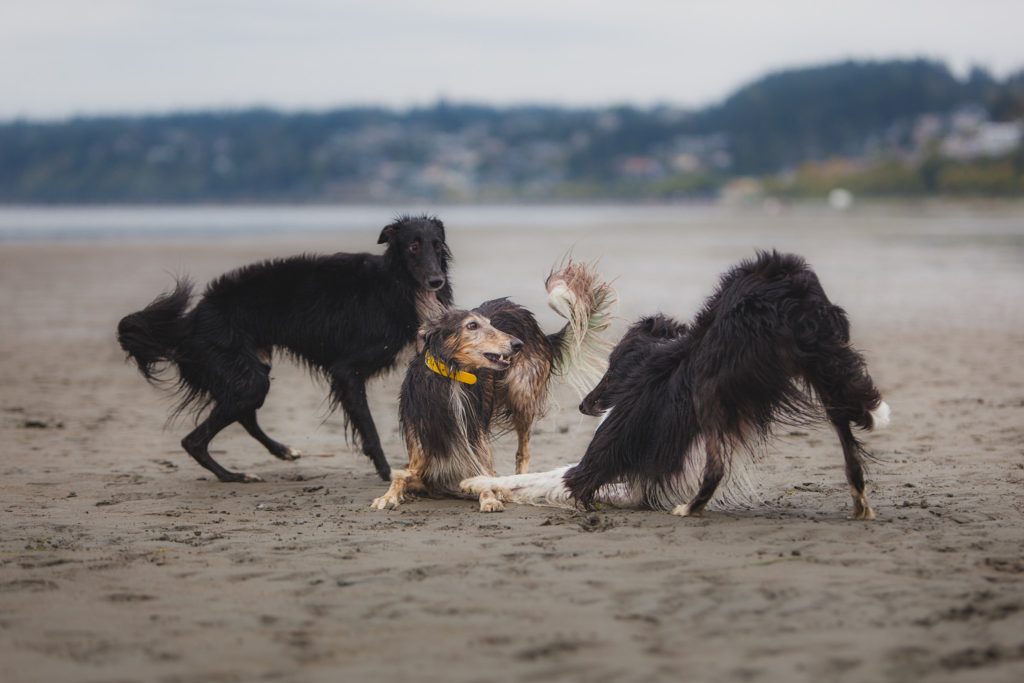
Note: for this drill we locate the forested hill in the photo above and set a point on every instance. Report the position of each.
(791, 116)
(852, 110)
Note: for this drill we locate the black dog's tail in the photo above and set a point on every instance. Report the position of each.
(577, 293)
(151, 336)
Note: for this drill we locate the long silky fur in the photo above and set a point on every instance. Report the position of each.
(577, 293)
(345, 317)
(767, 348)
(450, 421)
(446, 420)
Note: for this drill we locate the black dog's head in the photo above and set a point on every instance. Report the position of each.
(467, 340)
(418, 243)
(629, 354)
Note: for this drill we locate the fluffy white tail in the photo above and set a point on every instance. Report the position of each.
(576, 292)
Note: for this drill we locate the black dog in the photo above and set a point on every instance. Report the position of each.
(765, 344)
(346, 316)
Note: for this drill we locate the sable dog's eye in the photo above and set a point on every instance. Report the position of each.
(414, 247)
(472, 325)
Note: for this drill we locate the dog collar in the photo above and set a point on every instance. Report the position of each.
(442, 369)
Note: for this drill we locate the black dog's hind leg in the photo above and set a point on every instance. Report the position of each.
(840, 378)
(239, 384)
(350, 391)
(854, 469)
(198, 441)
(714, 470)
(277, 449)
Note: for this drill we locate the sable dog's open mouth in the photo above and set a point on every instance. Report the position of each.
(499, 359)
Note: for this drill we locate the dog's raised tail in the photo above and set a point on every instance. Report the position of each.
(150, 336)
(577, 293)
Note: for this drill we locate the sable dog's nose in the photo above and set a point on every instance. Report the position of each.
(435, 282)
(516, 345)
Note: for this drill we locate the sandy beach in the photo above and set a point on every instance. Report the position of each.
(123, 560)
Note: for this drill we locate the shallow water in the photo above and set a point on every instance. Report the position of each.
(940, 220)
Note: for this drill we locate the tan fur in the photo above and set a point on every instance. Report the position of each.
(523, 391)
(428, 306)
(423, 475)
(408, 479)
(517, 398)
(861, 509)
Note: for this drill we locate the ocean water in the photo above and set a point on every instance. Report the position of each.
(190, 222)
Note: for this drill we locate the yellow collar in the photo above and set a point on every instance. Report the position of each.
(441, 369)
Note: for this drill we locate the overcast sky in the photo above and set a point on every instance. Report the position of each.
(64, 57)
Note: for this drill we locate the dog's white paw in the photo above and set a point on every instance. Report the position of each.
(685, 511)
(388, 501)
(292, 454)
(251, 478)
(492, 505)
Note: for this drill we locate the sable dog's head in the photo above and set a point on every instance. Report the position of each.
(630, 353)
(466, 340)
(418, 242)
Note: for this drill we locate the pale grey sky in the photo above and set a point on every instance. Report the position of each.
(65, 57)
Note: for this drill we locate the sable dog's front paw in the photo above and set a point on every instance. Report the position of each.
(388, 501)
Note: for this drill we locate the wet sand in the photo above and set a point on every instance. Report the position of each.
(122, 560)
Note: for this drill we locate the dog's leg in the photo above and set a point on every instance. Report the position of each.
(395, 495)
(409, 479)
(850, 397)
(350, 391)
(278, 450)
(198, 441)
(523, 450)
(714, 470)
(854, 470)
(489, 502)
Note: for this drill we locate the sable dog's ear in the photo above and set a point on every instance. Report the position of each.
(388, 233)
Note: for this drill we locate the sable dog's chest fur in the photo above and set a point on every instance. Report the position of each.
(445, 423)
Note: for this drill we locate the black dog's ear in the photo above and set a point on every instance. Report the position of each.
(388, 233)
(439, 225)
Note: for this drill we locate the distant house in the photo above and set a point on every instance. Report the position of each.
(984, 139)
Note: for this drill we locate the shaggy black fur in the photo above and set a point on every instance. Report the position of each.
(346, 316)
(765, 343)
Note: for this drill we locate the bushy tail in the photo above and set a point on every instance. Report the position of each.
(151, 336)
(577, 293)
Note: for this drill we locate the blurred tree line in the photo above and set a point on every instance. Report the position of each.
(788, 127)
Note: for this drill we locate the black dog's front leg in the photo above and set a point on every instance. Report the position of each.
(349, 390)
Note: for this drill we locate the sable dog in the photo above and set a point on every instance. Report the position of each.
(490, 367)
(763, 348)
(345, 316)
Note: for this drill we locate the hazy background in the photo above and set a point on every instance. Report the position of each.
(66, 57)
(456, 101)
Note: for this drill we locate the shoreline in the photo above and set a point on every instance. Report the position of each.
(121, 559)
